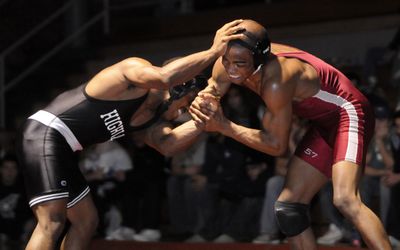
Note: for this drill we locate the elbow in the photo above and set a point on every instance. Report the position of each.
(279, 150)
(280, 153)
(166, 82)
(166, 79)
(167, 150)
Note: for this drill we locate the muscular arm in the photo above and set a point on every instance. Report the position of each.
(174, 73)
(182, 69)
(218, 85)
(273, 138)
(168, 140)
(219, 82)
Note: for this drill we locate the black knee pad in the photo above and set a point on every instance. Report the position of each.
(293, 218)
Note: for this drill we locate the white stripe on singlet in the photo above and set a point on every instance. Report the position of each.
(48, 197)
(352, 141)
(53, 121)
(78, 198)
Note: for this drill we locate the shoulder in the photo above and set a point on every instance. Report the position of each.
(123, 65)
(279, 82)
(218, 73)
(133, 61)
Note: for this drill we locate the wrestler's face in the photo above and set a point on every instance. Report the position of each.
(8, 172)
(238, 63)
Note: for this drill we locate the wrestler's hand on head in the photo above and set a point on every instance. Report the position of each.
(225, 34)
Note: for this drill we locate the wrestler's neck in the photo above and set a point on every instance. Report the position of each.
(254, 81)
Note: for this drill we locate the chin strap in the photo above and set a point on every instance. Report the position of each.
(257, 69)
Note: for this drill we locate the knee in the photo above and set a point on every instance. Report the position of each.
(293, 218)
(52, 225)
(347, 204)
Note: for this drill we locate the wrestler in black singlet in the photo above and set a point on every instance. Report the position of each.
(52, 136)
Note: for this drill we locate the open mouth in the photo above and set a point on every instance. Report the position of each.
(235, 77)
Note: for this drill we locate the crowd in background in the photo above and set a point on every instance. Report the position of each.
(220, 190)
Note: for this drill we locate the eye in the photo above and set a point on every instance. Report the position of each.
(241, 64)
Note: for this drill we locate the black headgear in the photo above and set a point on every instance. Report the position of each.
(260, 48)
(199, 82)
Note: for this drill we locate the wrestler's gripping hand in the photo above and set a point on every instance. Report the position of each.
(225, 34)
(206, 111)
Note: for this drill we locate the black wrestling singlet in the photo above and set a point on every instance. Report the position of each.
(51, 138)
(84, 120)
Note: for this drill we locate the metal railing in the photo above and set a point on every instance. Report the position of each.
(6, 86)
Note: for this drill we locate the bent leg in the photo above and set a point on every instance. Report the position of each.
(51, 217)
(84, 220)
(303, 181)
(345, 179)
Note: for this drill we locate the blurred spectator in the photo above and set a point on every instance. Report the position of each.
(104, 167)
(183, 195)
(15, 215)
(383, 55)
(269, 231)
(223, 164)
(241, 202)
(237, 106)
(143, 192)
(379, 163)
(7, 142)
(392, 180)
(394, 46)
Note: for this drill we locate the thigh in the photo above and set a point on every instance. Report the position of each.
(49, 166)
(345, 179)
(355, 130)
(53, 211)
(314, 150)
(83, 212)
(302, 182)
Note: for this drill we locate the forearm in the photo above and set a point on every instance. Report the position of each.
(387, 157)
(184, 69)
(217, 89)
(177, 139)
(371, 171)
(260, 140)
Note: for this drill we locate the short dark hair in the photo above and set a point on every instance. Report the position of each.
(382, 112)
